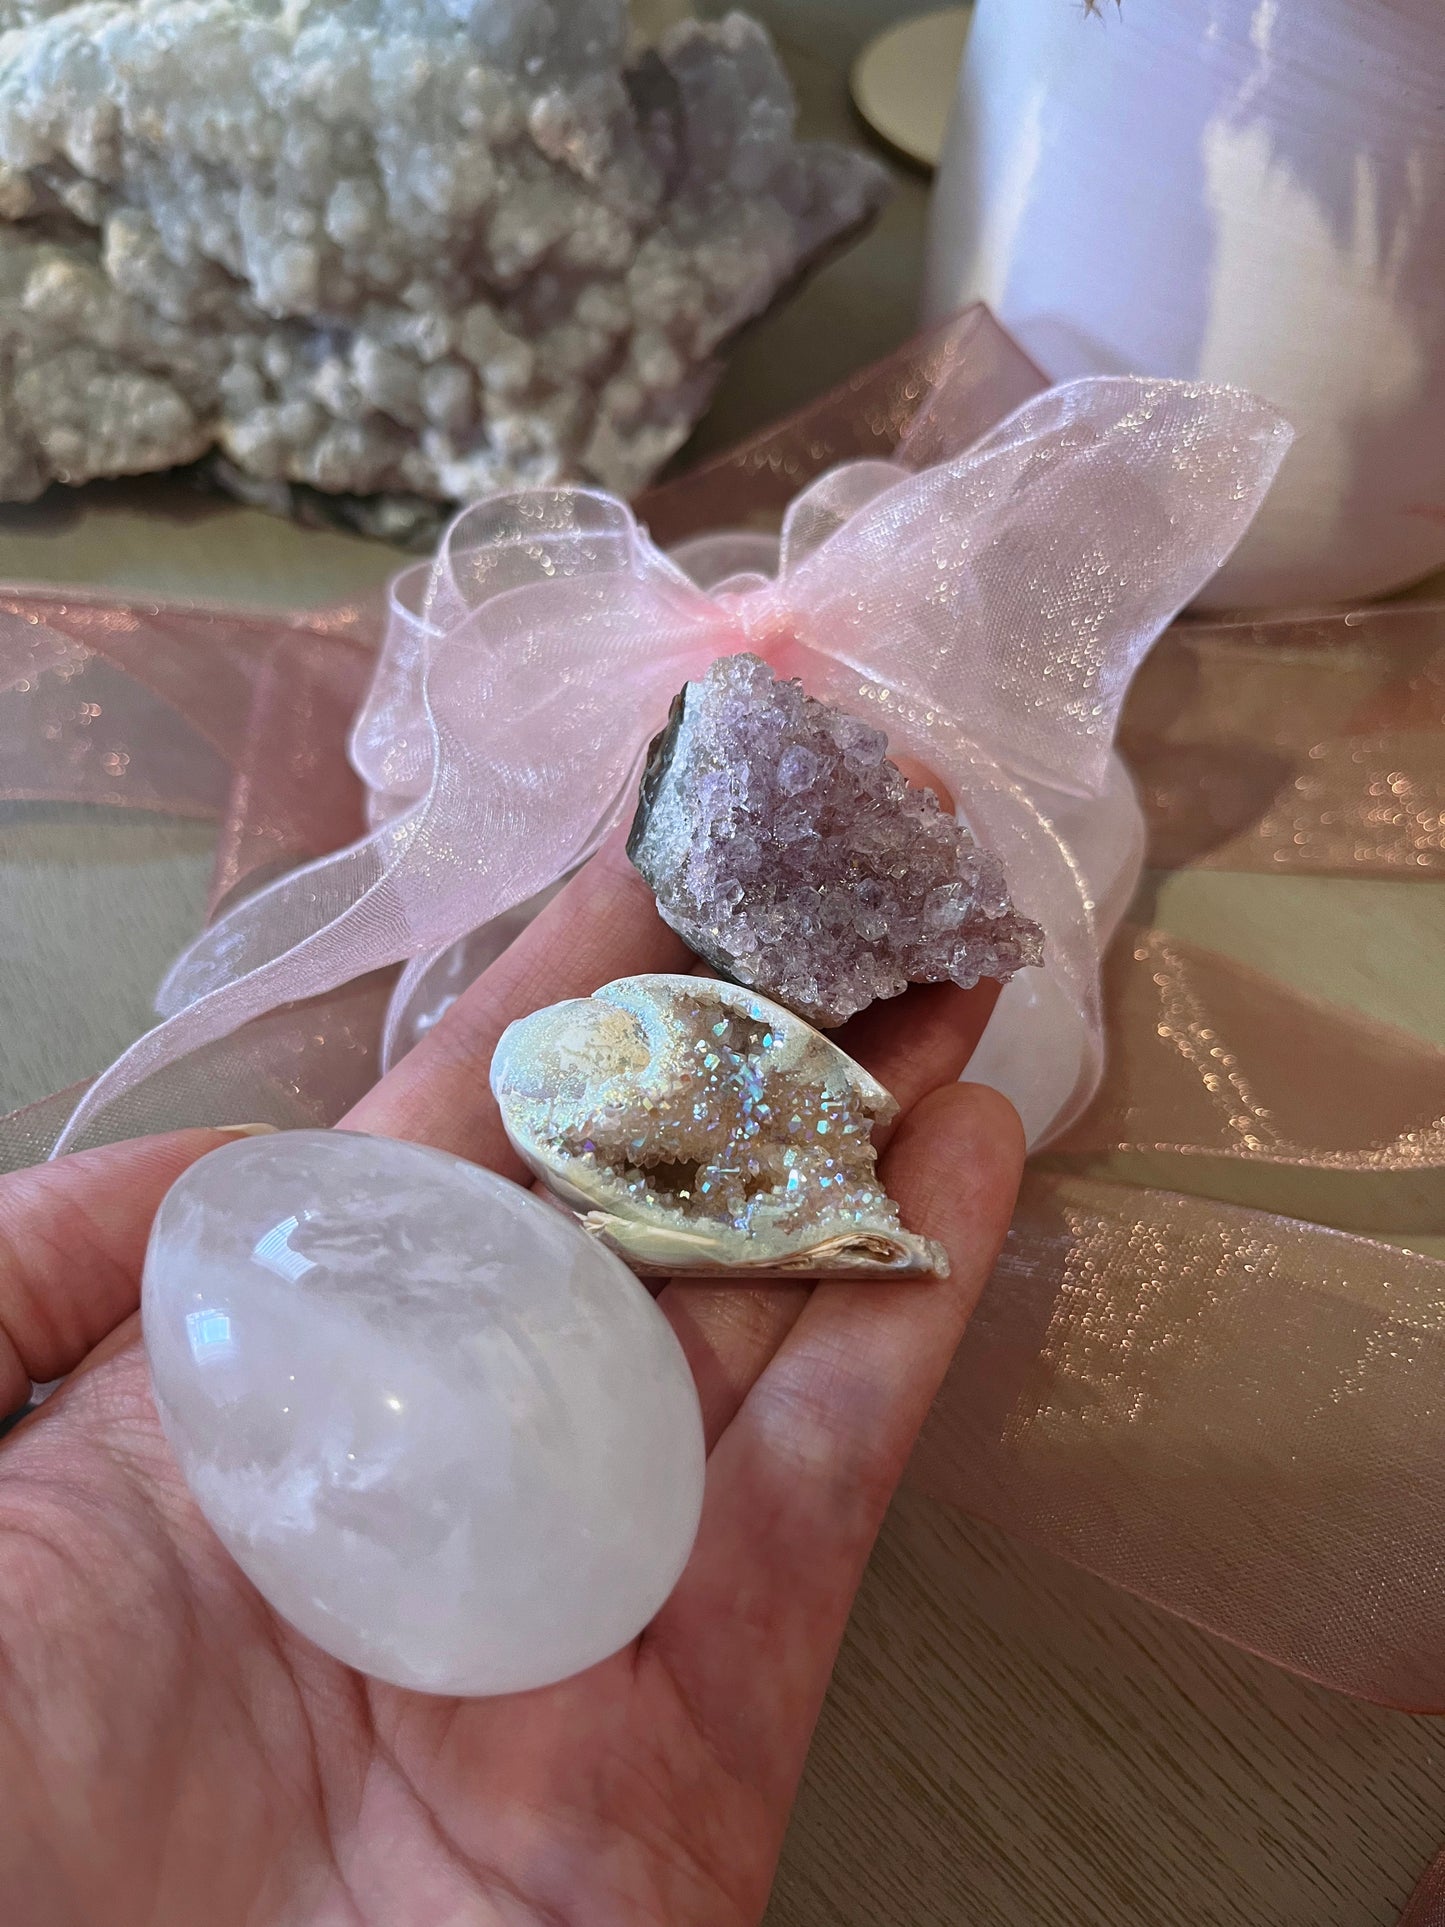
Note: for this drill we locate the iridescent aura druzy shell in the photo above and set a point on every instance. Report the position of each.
(694, 1126)
(787, 851)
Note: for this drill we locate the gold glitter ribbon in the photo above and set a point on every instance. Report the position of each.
(1222, 1081)
(1310, 745)
(1234, 1414)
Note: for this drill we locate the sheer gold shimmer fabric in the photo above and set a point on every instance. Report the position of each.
(1235, 1414)
(1302, 743)
(1210, 1063)
(211, 714)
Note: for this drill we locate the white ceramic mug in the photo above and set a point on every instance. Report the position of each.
(1249, 191)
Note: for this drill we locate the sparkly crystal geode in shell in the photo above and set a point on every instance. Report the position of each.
(697, 1127)
(786, 850)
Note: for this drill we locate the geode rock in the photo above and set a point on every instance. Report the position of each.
(786, 850)
(696, 1127)
(429, 248)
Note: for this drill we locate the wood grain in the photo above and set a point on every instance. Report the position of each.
(1010, 1743)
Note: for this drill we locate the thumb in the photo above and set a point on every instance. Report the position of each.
(72, 1241)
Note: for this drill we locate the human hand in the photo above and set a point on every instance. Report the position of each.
(172, 1754)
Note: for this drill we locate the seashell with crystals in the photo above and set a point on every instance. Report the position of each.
(695, 1126)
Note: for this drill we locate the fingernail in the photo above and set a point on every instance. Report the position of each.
(246, 1130)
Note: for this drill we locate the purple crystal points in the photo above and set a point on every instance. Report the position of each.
(792, 856)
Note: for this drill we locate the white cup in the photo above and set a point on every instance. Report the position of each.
(1246, 191)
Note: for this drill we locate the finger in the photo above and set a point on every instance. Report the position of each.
(847, 1393)
(603, 925)
(913, 1044)
(729, 1332)
(798, 1485)
(72, 1242)
(920, 1041)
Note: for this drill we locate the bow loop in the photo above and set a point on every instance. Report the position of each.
(1017, 586)
(493, 549)
(823, 508)
(529, 716)
(996, 604)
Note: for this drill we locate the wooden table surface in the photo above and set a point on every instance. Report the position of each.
(1008, 1742)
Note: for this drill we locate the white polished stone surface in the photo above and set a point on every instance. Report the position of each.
(448, 1437)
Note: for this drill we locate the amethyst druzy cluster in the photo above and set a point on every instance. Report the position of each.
(792, 856)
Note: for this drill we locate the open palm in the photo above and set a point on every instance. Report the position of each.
(173, 1755)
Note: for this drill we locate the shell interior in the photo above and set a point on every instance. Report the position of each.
(696, 1126)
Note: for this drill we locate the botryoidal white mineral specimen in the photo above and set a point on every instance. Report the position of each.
(424, 247)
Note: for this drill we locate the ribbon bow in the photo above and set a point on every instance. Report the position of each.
(987, 609)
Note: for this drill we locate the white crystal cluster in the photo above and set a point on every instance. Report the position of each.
(446, 1435)
(425, 247)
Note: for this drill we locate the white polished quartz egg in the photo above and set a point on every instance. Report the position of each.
(448, 1436)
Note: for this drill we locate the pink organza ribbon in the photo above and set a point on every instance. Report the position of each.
(988, 609)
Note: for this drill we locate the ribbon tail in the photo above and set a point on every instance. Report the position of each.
(282, 915)
(342, 944)
(430, 984)
(370, 907)
(299, 1067)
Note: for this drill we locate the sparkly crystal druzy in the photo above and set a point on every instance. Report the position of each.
(791, 854)
(725, 1130)
(696, 1126)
